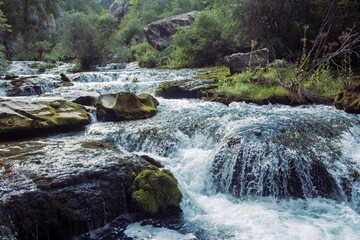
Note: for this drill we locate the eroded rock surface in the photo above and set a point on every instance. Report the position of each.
(159, 33)
(23, 116)
(348, 99)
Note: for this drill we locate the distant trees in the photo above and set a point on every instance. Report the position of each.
(85, 36)
(4, 27)
(230, 25)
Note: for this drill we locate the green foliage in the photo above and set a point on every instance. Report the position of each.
(142, 12)
(40, 48)
(154, 191)
(258, 84)
(208, 42)
(86, 36)
(149, 57)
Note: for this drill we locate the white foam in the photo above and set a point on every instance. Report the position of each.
(136, 231)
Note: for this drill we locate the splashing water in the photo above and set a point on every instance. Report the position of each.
(246, 171)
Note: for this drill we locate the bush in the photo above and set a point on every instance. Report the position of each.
(207, 43)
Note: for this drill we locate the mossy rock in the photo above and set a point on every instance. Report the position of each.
(348, 99)
(22, 117)
(155, 191)
(125, 106)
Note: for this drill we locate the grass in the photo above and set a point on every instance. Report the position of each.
(261, 84)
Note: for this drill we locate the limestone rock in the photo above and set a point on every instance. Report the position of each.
(239, 62)
(159, 33)
(188, 88)
(125, 106)
(22, 116)
(119, 8)
(348, 99)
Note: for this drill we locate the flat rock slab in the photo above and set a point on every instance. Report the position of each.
(25, 117)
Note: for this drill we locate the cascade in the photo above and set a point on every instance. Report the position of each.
(246, 171)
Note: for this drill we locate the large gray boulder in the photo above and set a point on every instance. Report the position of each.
(239, 62)
(58, 193)
(159, 33)
(119, 8)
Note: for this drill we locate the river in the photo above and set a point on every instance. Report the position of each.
(246, 171)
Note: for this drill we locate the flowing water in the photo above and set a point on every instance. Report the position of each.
(246, 171)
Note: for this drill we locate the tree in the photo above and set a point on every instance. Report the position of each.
(4, 27)
(79, 36)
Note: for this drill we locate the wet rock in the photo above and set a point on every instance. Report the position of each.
(281, 164)
(119, 8)
(11, 77)
(75, 189)
(72, 203)
(188, 88)
(159, 33)
(348, 99)
(32, 85)
(239, 62)
(155, 191)
(64, 77)
(24, 117)
(126, 106)
(152, 161)
(87, 100)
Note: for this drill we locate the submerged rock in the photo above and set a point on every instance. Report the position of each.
(24, 117)
(159, 33)
(348, 99)
(125, 106)
(281, 163)
(240, 62)
(32, 85)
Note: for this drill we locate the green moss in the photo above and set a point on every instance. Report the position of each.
(213, 73)
(126, 106)
(155, 191)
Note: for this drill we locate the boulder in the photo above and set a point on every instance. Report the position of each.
(23, 116)
(188, 88)
(53, 189)
(159, 33)
(46, 201)
(348, 99)
(87, 100)
(154, 191)
(239, 62)
(119, 8)
(125, 106)
(279, 161)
